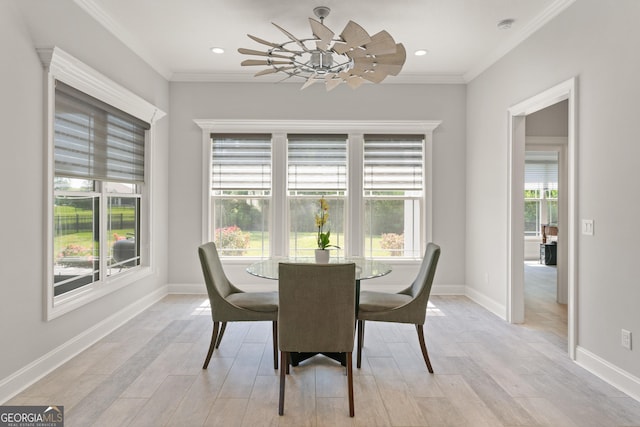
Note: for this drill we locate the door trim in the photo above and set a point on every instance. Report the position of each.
(566, 90)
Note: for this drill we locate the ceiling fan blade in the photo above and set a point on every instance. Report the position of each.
(362, 64)
(311, 80)
(357, 53)
(376, 76)
(392, 69)
(332, 84)
(347, 77)
(340, 48)
(354, 35)
(271, 71)
(289, 75)
(397, 58)
(261, 41)
(323, 33)
(381, 43)
(354, 82)
(266, 71)
(250, 62)
(292, 37)
(260, 53)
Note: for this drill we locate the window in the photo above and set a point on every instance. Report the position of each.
(541, 191)
(98, 220)
(375, 176)
(241, 193)
(98, 170)
(316, 167)
(393, 195)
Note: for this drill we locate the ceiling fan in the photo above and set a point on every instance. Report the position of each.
(353, 57)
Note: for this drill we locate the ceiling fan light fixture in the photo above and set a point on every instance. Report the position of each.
(330, 58)
(321, 61)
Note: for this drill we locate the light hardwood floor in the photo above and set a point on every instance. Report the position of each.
(487, 373)
(542, 312)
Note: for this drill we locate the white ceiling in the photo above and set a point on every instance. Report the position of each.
(175, 36)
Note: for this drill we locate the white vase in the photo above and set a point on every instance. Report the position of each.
(322, 256)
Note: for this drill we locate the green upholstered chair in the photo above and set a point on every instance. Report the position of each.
(316, 314)
(230, 304)
(406, 306)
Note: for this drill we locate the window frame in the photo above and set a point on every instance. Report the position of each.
(354, 202)
(61, 66)
(222, 190)
(312, 194)
(543, 201)
(418, 198)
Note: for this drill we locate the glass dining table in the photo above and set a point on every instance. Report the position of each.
(365, 269)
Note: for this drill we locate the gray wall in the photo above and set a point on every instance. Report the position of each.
(550, 121)
(286, 101)
(598, 43)
(24, 335)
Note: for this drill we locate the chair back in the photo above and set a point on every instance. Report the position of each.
(218, 286)
(420, 289)
(316, 307)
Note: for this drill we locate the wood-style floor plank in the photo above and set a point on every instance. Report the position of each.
(227, 412)
(487, 373)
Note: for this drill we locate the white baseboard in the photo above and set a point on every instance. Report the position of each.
(29, 374)
(187, 288)
(493, 306)
(610, 373)
(447, 289)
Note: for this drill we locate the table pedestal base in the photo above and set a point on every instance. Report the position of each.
(296, 358)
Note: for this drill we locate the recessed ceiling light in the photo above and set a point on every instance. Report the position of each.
(505, 24)
(421, 52)
(217, 50)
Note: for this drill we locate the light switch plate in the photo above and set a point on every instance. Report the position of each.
(626, 339)
(587, 227)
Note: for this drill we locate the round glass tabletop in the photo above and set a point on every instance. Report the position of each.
(365, 268)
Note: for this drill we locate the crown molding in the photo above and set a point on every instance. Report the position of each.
(553, 10)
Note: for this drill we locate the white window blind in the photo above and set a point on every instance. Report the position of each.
(93, 140)
(317, 163)
(541, 175)
(393, 163)
(241, 162)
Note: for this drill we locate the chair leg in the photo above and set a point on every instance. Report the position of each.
(214, 337)
(222, 329)
(360, 342)
(350, 382)
(423, 347)
(283, 362)
(274, 332)
(288, 363)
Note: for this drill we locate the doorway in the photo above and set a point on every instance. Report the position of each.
(566, 257)
(545, 290)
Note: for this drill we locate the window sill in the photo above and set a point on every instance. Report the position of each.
(66, 303)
